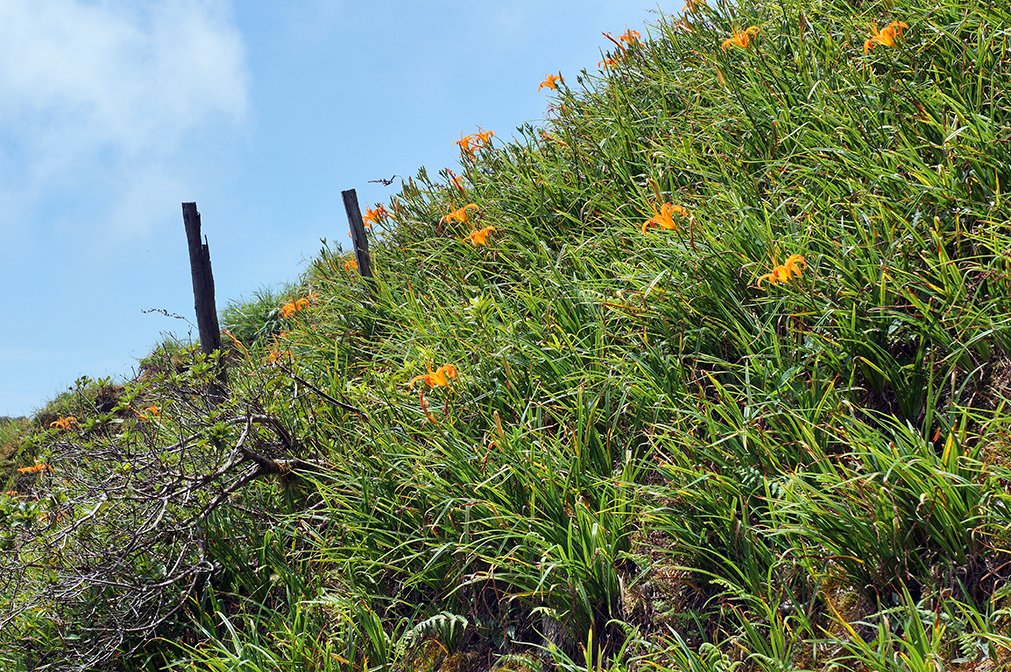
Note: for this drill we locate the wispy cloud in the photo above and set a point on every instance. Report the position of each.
(109, 92)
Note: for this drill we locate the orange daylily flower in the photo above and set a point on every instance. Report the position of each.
(455, 179)
(375, 215)
(792, 267)
(886, 36)
(469, 144)
(612, 61)
(292, 307)
(741, 38)
(466, 145)
(665, 218)
(459, 215)
(64, 423)
(147, 413)
(630, 36)
(350, 264)
(236, 342)
(627, 39)
(476, 238)
(35, 469)
(551, 81)
(438, 378)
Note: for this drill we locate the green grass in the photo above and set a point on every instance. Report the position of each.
(647, 459)
(11, 430)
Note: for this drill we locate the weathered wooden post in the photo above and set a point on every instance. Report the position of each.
(358, 237)
(203, 290)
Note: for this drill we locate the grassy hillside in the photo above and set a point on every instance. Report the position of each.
(722, 387)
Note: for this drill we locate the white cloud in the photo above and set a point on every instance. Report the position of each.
(91, 91)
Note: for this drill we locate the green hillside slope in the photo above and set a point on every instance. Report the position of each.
(708, 372)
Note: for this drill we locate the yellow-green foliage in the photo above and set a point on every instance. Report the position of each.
(11, 429)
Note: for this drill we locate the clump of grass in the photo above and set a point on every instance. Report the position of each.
(11, 431)
(255, 320)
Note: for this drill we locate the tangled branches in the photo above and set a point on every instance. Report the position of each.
(101, 549)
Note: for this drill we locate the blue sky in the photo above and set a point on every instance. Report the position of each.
(113, 112)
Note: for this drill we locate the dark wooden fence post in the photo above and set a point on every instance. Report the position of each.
(358, 237)
(203, 289)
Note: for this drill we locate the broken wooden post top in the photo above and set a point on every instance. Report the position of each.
(191, 220)
(203, 296)
(358, 237)
(203, 282)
